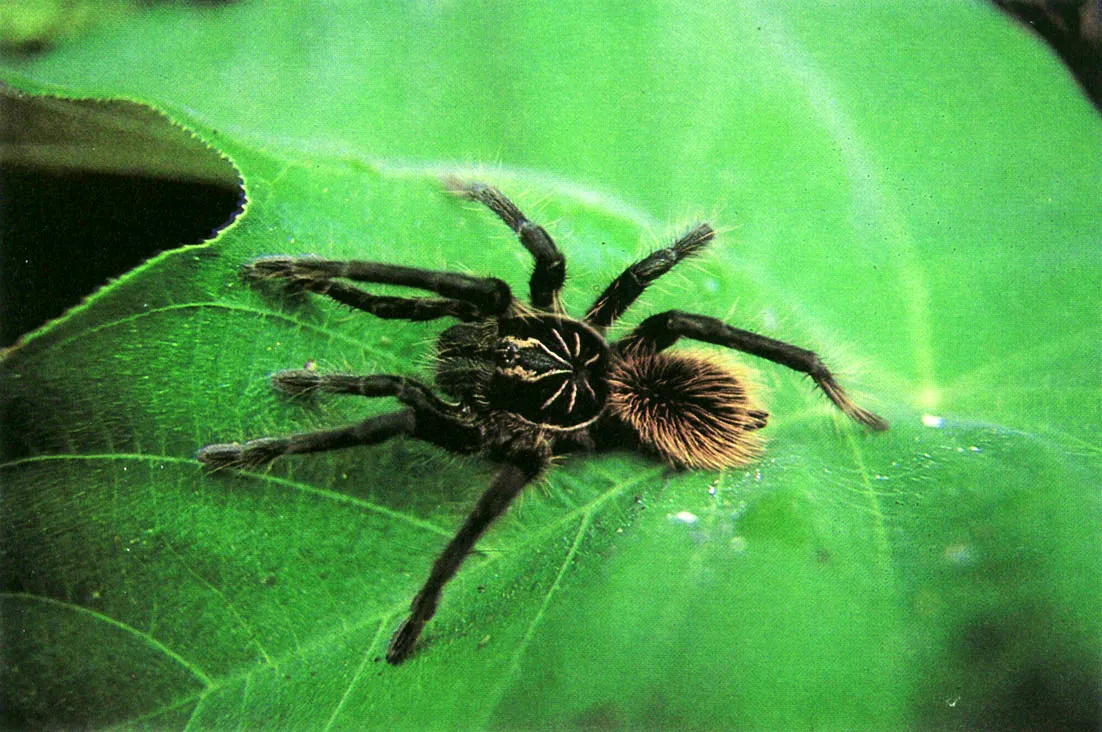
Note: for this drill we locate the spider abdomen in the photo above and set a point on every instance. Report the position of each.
(692, 408)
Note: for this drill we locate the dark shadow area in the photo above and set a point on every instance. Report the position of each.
(1073, 28)
(1016, 671)
(88, 191)
(65, 234)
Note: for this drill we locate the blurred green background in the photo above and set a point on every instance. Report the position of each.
(913, 191)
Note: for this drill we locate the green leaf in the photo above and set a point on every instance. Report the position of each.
(913, 194)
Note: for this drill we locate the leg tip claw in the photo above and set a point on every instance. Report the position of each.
(219, 456)
(402, 642)
(297, 382)
(252, 454)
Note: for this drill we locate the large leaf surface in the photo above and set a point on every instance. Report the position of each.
(916, 195)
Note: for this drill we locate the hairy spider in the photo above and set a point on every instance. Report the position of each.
(527, 383)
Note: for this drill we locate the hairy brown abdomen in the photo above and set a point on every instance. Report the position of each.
(691, 408)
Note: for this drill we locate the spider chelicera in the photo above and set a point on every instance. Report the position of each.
(526, 383)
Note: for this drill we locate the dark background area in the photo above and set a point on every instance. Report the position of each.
(65, 235)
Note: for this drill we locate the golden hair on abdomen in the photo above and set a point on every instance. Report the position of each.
(692, 408)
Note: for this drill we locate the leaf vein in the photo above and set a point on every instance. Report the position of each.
(234, 307)
(286, 482)
(148, 639)
(355, 677)
(514, 662)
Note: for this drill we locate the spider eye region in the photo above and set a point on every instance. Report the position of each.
(549, 371)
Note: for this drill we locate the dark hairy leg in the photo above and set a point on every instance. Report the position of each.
(659, 332)
(427, 418)
(395, 308)
(550, 270)
(623, 290)
(508, 483)
(437, 422)
(261, 451)
(487, 295)
(299, 382)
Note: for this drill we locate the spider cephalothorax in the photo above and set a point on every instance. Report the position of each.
(547, 370)
(526, 383)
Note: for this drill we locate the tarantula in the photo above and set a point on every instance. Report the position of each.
(527, 383)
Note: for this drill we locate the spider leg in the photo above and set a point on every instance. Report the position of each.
(412, 393)
(261, 451)
(550, 270)
(508, 483)
(466, 297)
(659, 332)
(402, 308)
(427, 418)
(623, 290)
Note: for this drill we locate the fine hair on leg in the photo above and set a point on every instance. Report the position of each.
(259, 452)
(489, 295)
(624, 290)
(661, 331)
(508, 483)
(395, 308)
(549, 273)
